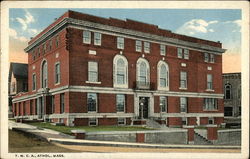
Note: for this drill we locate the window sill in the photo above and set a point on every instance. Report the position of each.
(210, 90)
(163, 88)
(92, 112)
(120, 86)
(210, 110)
(57, 84)
(182, 88)
(93, 82)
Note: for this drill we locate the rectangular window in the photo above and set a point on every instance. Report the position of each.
(183, 80)
(34, 54)
(57, 41)
(206, 57)
(44, 48)
(163, 50)
(86, 37)
(121, 121)
(210, 104)
(184, 120)
(92, 71)
(183, 104)
(163, 104)
(38, 50)
(92, 102)
(92, 121)
(97, 38)
(209, 81)
(34, 82)
(146, 47)
(120, 103)
(186, 54)
(53, 104)
(179, 52)
(212, 58)
(120, 43)
(62, 103)
(138, 46)
(57, 73)
(211, 120)
(50, 45)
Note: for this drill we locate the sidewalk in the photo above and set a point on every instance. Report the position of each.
(57, 137)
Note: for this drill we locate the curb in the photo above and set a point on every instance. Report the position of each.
(137, 145)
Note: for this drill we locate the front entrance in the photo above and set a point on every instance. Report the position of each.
(143, 107)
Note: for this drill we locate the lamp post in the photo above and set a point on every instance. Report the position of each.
(141, 105)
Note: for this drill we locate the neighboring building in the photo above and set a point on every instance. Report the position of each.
(87, 70)
(232, 94)
(18, 81)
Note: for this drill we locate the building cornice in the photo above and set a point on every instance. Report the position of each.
(81, 24)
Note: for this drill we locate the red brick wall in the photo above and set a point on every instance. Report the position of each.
(174, 121)
(51, 59)
(106, 103)
(107, 121)
(196, 69)
(78, 102)
(192, 121)
(173, 105)
(218, 120)
(157, 104)
(81, 122)
(203, 120)
(129, 103)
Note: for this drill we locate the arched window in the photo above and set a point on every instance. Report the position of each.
(163, 79)
(143, 73)
(44, 75)
(120, 71)
(228, 91)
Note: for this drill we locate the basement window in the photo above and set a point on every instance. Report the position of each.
(92, 122)
(210, 120)
(184, 121)
(121, 121)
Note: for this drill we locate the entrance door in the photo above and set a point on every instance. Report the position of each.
(143, 107)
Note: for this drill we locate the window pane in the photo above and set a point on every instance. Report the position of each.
(186, 54)
(183, 104)
(183, 80)
(91, 101)
(86, 37)
(92, 72)
(120, 43)
(97, 38)
(212, 58)
(162, 49)
(206, 56)
(179, 52)
(120, 102)
(138, 46)
(146, 47)
(163, 104)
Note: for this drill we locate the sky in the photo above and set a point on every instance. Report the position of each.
(222, 25)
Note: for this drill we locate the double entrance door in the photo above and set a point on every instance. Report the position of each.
(143, 107)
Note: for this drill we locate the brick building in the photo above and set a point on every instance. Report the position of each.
(232, 98)
(88, 70)
(17, 81)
